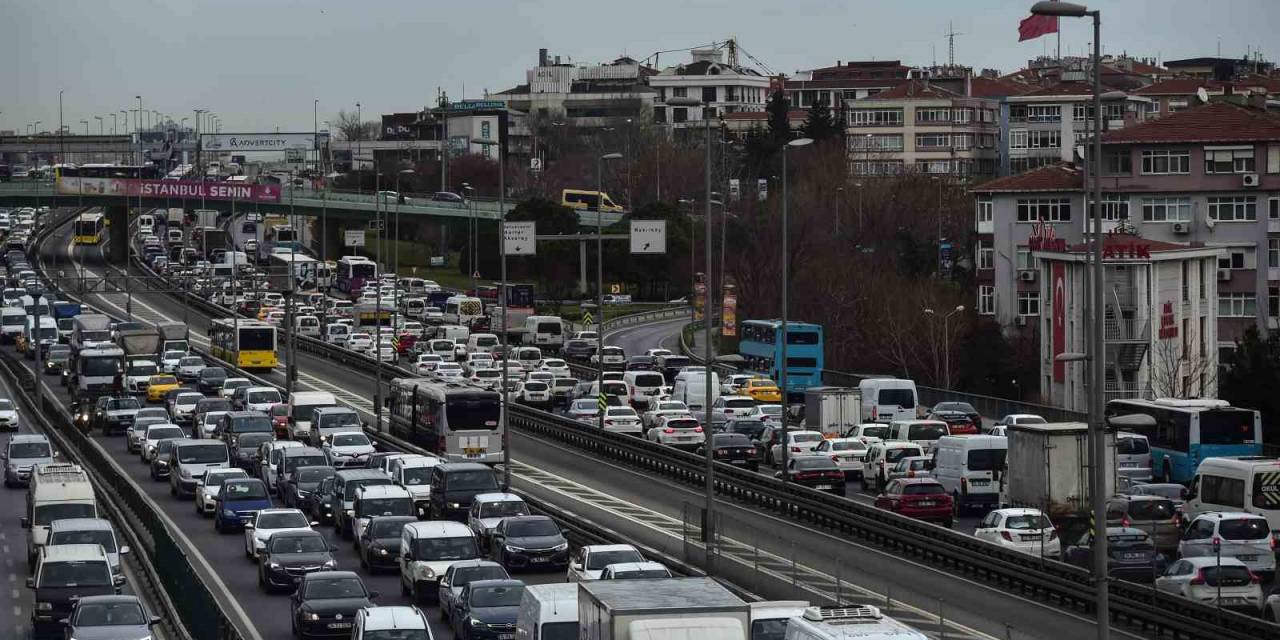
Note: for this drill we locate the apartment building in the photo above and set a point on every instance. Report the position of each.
(1046, 123)
(852, 80)
(723, 88)
(1180, 94)
(584, 96)
(1205, 177)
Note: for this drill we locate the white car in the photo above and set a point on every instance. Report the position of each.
(535, 392)
(169, 361)
(231, 384)
(427, 363)
(799, 443)
(412, 328)
(261, 398)
(359, 342)
(8, 415)
(154, 434)
(664, 408)
(556, 367)
(1226, 582)
(209, 422)
(206, 493)
(1240, 535)
(270, 521)
(613, 356)
(1026, 530)
(347, 449)
(657, 353)
(488, 378)
(449, 372)
(386, 353)
(189, 368)
(681, 431)
(622, 420)
(184, 405)
(845, 452)
(589, 561)
(274, 318)
(770, 413)
(726, 408)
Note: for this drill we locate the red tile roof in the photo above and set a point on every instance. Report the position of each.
(1124, 245)
(1173, 87)
(847, 83)
(763, 116)
(1213, 122)
(913, 89)
(980, 87)
(1188, 86)
(1065, 89)
(1062, 176)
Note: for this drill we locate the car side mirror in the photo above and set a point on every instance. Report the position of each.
(248, 525)
(64, 621)
(124, 550)
(118, 581)
(374, 595)
(314, 523)
(576, 566)
(155, 620)
(26, 522)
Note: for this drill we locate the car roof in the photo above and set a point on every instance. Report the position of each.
(647, 565)
(498, 497)
(322, 575)
(81, 524)
(110, 599)
(360, 474)
(1229, 515)
(1211, 561)
(27, 437)
(383, 491)
(304, 450)
(462, 466)
(433, 528)
(918, 481)
(397, 617)
(74, 552)
(593, 548)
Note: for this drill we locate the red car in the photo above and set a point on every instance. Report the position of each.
(919, 498)
(280, 420)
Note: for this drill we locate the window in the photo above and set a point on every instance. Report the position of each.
(985, 207)
(1177, 105)
(1166, 209)
(1237, 305)
(1044, 113)
(1017, 138)
(1155, 105)
(1047, 209)
(1165, 161)
(933, 115)
(1025, 259)
(1234, 160)
(1113, 111)
(1019, 165)
(1273, 159)
(876, 142)
(1028, 303)
(962, 141)
(1115, 206)
(680, 114)
(1233, 208)
(1044, 139)
(961, 115)
(1117, 163)
(932, 140)
(1273, 301)
(1017, 113)
(1228, 492)
(1273, 253)
(680, 92)
(1232, 260)
(875, 117)
(986, 299)
(878, 168)
(1078, 111)
(709, 95)
(1273, 209)
(660, 115)
(933, 166)
(986, 255)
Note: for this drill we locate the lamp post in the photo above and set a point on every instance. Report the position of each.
(600, 280)
(113, 123)
(946, 344)
(86, 126)
(505, 302)
(1097, 441)
(62, 143)
(99, 119)
(471, 235)
(782, 338)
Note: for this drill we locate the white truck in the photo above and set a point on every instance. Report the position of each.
(206, 217)
(832, 410)
(660, 609)
(1048, 468)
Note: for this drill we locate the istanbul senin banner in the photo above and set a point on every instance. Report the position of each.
(169, 189)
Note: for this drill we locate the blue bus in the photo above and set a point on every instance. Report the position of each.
(1188, 431)
(761, 348)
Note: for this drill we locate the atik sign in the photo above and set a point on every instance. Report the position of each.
(1044, 238)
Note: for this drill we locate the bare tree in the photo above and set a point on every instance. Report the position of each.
(350, 127)
(1179, 372)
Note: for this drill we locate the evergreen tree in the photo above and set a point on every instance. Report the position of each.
(1251, 374)
(819, 124)
(778, 109)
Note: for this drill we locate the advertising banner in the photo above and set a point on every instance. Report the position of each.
(762, 189)
(169, 189)
(239, 142)
(729, 313)
(1059, 320)
(699, 299)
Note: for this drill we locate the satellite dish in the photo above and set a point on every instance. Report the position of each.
(1210, 222)
(1080, 151)
(1202, 94)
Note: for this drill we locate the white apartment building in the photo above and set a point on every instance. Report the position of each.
(723, 88)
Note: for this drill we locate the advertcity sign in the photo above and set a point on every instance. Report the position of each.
(239, 142)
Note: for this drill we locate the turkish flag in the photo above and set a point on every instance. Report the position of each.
(1033, 27)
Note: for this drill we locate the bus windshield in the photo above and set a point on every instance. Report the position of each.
(257, 339)
(465, 414)
(363, 270)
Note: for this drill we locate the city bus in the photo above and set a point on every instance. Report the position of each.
(99, 179)
(456, 422)
(761, 348)
(245, 343)
(89, 228)
(303, 267)
(353, 271)
(1188, 431)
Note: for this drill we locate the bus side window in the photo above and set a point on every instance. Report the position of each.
(1193, 490)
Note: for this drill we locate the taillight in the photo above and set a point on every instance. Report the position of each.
(835, 459)
(440, 444)
(795, 449)
(1053, 534)
(1254, 579)
(873, 414)
(1124, 521)
(697, 429)
(964, 485)
(1272, 542)
(667, 430)
(1006, 535)
(1199, 579)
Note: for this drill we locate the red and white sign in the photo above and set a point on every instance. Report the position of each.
(1059, 320)
(169, 189)
(1168, 322)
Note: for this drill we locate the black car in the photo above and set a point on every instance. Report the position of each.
(290, 555)
(749, 427)
(326, 602)
(244, 450)
(640, 363)
(210, 380)
(160, 462)
(1131, 555)
(735, 449)
(455, 484)
(816, 472)
(379, 543)
(957, 414)
(578, 349)
(57, 358)
(529, 542)
(299, 488)
(486, 610)
(322, 501)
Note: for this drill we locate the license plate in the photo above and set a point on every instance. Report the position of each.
(1247, 558)
(926, 503)
(979, 483)
(1134, 556)
(473, 451)
(823, 487)
(737, 462)
(539, 560)
(506, 636)
(339, 625)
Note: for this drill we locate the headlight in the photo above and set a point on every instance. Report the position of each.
(560, 547)
(329, 564)
(350, 513)
(313, 617)
(382, 552)
(227, 513)
(44, 606)
(455, 505)
(512, 549)
(303, 494)
(273, 565)
(475, 623)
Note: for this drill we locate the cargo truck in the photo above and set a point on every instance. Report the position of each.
(176, 336)
(141, 341)
(832, 410)
(660, 609)
(89, 329)
(213, 240)
(96, 371)
(206, 217)
(1047, 468)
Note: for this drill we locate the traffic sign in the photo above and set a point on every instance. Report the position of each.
(648, 236)
(353, 238)
(475, 274)
(587, 318)
(520, 238)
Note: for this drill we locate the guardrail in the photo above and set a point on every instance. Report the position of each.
(940, 548)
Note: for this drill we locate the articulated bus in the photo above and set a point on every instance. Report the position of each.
(353, 271)
(89, 228)
(1188, 431)
(245, 343)
(457, 422)
(761, 348)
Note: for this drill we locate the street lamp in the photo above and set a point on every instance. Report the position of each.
(782, 339)
(946, 343)
(1096, 445)
(86, 126)
(600, 280)
(99, 119)
(504, 299)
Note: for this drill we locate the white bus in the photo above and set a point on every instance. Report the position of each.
(354, 271)
(456, 422)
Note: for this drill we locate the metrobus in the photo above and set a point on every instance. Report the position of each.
(456, 422)
(99, 179)
(761, 347)
(353, 271)
(303, 267)
(89, 228)
(1188, 431)
(245, 343)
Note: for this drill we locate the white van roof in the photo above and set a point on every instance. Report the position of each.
(312, 397)
(557, 602)
(1246, 464)
(974, 442)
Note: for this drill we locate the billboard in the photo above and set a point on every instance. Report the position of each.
(699, 299)
(169, 189)
(240, 142)
(729, 312)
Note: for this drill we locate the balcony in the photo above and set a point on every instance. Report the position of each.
(1125, 390)
(1127, 329)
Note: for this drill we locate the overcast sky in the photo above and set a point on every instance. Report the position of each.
(259, 64)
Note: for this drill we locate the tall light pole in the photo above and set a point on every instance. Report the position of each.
(503, 299)
(782, 337)
(360, 146)
(1097, 444)
(62, 143)
(946, 344)
(99, 119)
(138, 128)
(600, 281)
(86, 126)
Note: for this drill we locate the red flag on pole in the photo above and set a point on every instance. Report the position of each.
(1033, 27)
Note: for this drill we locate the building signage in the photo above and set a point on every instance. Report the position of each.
(260, 141)
(1059, 276)
(735, 189)
(762, 189)
(169, 189)
(1044, 238)
(467, 105)
(520, 238)
(1168, 323)
(648, 236)
(699, 298)
(1126, 250)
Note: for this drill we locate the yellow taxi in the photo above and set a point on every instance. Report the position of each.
(161, 384)
(761, 390)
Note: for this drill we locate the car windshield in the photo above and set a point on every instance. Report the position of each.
(428, 549)
(642, 574)
(986, 459)
(819, 463)
(327, 588)
(142, 369)
(217, 479)
(585, 406)
(349, 440)
(386, 527)
(905, 398)
(1152, 510)
(849, 445)
(955, 407)
(926, 431)
(386, 507)
(536, 386)
(532, 527)
(6, 405)
(806, 437)
(1171, 491)
(497, 596)
(339, 420)
(922, 489)
(163, 380)
(414, 476)
(472, 480)
(1027, 522)
(47, 513)
(503, 509)
(730, 440)
(739, 403)
(249, 441)
(103, 537)
(28, 450)
(109, 614)
(315, 475)
(894, 455)
(298, 544)
(464, 575)
(1244, 529)
(244, 491)
(598, 560)
(120, 404)
(202, 454)
(749, 428)
(282, 521)
(160, 433)
(191, 361)
(1132, 446)
(83, 573)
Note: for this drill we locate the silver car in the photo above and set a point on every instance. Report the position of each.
(23, 453)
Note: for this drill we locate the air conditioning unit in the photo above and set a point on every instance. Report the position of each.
(1027, 275)
(1224, 275)
(1249, 179)
(1181, 228)
(1021, 321)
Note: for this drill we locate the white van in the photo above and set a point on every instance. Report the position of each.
(1247, 483)
(336, 333)
(308, 326)
(544, 331)
(301, 405)
(482, 342)
(1133, 457)
(174, 236)
(969, 468)
(924, 433)
(548, 612)
(146, 225)
(691, 389)
(646, 388)
(12, 321)
(864, 622)
(58, 490)
(427, 549)
(888, 399)
(453, 332)
(528, 357)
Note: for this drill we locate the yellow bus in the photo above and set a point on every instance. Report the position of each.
(246, 343)
(89, 228)
(589, 201)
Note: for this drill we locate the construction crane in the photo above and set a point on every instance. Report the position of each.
(951, 44)
(730, 44)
